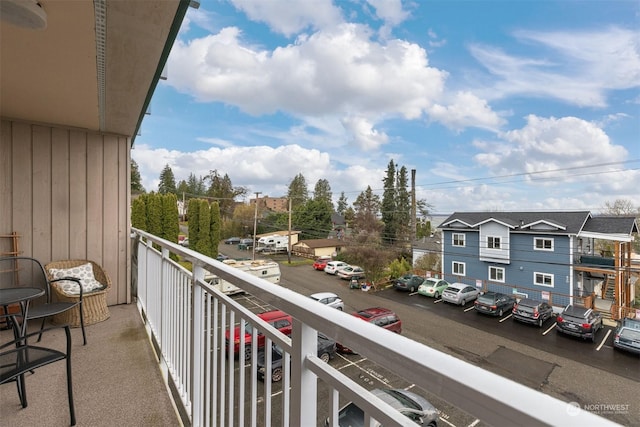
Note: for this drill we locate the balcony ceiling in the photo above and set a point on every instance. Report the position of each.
(52, 75)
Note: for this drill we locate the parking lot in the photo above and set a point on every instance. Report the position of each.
(567, 368)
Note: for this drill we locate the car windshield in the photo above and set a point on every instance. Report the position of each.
(526, 308)
(430, 282)
(630, 334)
(404, 401)
(486, 299)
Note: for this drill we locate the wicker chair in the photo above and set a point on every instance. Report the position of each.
(94, 303)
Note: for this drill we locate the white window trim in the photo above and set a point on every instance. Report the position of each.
(491, 267)
(535, 273)
(464, 240)
(464, 268)
(536, 248)
(499, 238)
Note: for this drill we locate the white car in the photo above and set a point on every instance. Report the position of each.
(350, 272)
(333, 266)
(328, 298)
(459, 293)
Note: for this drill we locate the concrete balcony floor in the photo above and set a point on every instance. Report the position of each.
(116, 379)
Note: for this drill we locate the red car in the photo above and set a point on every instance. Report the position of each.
(276, 318)
(321, 263)
(379, 316)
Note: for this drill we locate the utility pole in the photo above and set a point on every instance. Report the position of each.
(289, 237)
(255, 227)
(413, 206)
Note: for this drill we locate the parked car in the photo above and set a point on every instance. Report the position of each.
(276, 318)
(432, 287)
(328, 298)
(459, 293)
(350, 272)
(403, 278)
(221, 257)
(184, 242)
(333, 266)
(320, 263)
(232, 241)
(245, 244)
(379, 316)
(580, 322)
(412, 284)
(326, 352)
(494, 303)
(627, 336)
(532, 311)
(413, 406)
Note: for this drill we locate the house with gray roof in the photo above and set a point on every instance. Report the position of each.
(542, 255)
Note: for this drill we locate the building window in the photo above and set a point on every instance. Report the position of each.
(457, 239)
(458, 268)
(496, 274)
(541, 244)
(543, 279)
(493, 242)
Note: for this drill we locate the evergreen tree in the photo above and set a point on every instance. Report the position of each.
(136, 179)
(216, 227)
(367, 208)
(222, 190)
(402, 215)
(193, 213)
(139, 213)
(170, 217)
(313, 219)
(167, 181)
(154, 213)
(298, 192)
(203, 243)
(389, 198)
(342, 204)
(322, 192)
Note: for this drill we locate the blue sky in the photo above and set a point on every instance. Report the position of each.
(497, 105)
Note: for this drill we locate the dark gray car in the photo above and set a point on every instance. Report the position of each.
(413, 406)
(532, 311)
(579, 321)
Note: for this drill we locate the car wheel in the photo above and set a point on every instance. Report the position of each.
(500, 312)
(247, 354)
(412, 289)
(325, 357)
(540, 322)
(276, 375)
(463, 302)
(339, 308)
(436, 295)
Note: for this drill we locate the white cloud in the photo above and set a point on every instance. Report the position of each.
(291, 17)
(575, 67)
(466, 110)
(365, 136)
(545, 144)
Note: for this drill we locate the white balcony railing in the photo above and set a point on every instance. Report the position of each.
(187, 320)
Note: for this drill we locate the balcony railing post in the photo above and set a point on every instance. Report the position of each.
(304, 383)
(196, 360)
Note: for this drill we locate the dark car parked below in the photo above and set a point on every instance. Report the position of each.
(410, 284)
(627, 336)
(494, 303)
(532, 311)
(579, 322)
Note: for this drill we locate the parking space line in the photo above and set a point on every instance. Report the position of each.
(444, 420)
(549, 330)
(469, 309)
(604, 340)
(474, 423)
(437, 301)
(413, 293)
(506, 317)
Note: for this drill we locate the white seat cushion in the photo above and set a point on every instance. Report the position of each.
(83, 272)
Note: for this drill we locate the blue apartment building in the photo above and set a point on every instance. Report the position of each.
(542, 255)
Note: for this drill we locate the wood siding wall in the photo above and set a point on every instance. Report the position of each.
(66, 193)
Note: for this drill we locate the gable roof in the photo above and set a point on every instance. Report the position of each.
(558, 222)
(610, 228)
(321, 243)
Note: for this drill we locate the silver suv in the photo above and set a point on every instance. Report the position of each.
(579, 321)
(628, 336)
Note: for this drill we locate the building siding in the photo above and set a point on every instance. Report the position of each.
(66, 193)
